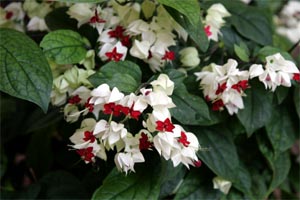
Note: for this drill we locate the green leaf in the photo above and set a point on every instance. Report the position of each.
(268, 50)
(144, 184)
(218, 151)
(281, 93)
(82, 1)
(191, 9)
(279, 163)
(197, 186)
(61, 185)
(59, 19)
(280, 129)
(258, 108)
(297, 100)
(64, 46)
(24, 71)
(124, 75)
(250, 22)
(242, 52)
(195, 106)
(196, 32)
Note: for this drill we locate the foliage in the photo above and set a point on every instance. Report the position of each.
(255, 147)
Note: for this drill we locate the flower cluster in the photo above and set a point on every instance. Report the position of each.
(224, 85)
(150, 107)
(214, 21)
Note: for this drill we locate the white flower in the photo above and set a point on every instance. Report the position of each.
(37, 24)
(278, 71)
(189, 57)
(125, 161)
(163, 84)
(16, 11)
(82, 12)
(71, 113)
(222, 184)
(140, 49)
(214, 20)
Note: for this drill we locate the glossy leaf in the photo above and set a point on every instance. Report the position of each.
(124, 75)
(195, 106)
(197, 186)
(191, 9)
(138, 185)
(269, 50)
(258, 108)
(64, 46)
(250, 22)
(24, 71)
(280, 129)
(218, 151)
(242, 52)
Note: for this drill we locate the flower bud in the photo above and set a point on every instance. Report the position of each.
(222, 184)
(189, 57)
(140, 49)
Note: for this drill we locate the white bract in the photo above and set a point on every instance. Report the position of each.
(277, 72)
(214, 20)
(222, 184)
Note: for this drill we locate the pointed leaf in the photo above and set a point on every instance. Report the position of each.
(280, 129)
(258, 108)
(124, 75)
(144, 184)
(191, 9)
(197, 109)
(218, 151)
(64, 46)
(24, 71)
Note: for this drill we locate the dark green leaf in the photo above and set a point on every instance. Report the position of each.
(197, 186)
(61, 185)
(82, 1)
(59, 19)
(230, 37)
(190, 9)
(144, 184)
(278, 163)
(250, 22)
(297, 100)
(124, 75)
(268, 50)
(196, 32)
(197, 109)
(281, 93)
(218, 151)
(176, 76)
(258, 108)
(280, 129)
(24, 71)
(64, 46)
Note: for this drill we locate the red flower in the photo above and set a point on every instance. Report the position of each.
(96, 18)
(114, 55)
(197, 163)
(144, 142)
(218, 105)
(89, 136)
(165, 125)
(207, 31)
(117, 33)
(9, 15)
(296, 77)
(74, 100)
(221, 88)
(183, 139)
(86, 154)
(89, 105)
(169, 55)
